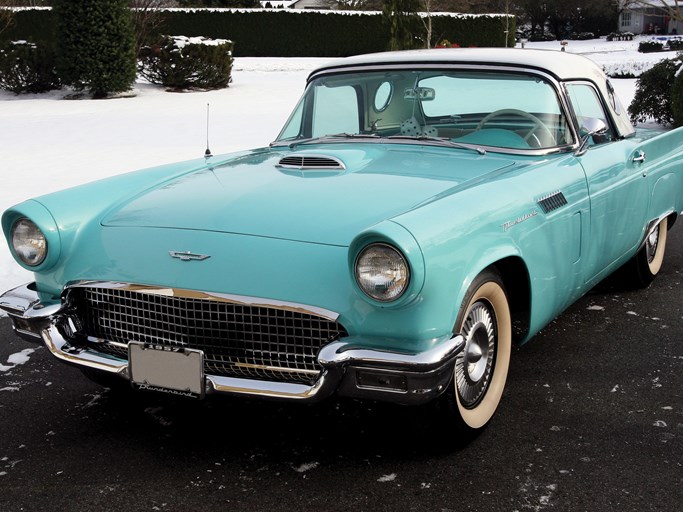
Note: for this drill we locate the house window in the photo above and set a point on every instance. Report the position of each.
(625, 19)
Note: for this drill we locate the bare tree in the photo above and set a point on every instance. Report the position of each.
(147, 18)
(426, 18)
(7, 13)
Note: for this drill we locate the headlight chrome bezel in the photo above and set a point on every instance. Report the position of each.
(33, 241)
(389, 251)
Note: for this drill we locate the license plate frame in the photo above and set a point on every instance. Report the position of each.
(172, 370)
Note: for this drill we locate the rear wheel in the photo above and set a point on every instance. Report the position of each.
(647, 262)
(481, 368)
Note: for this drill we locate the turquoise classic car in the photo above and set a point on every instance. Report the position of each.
(419, 214)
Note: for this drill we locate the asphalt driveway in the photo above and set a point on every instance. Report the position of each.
(592, 419)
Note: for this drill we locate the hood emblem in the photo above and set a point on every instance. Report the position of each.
(187, 256)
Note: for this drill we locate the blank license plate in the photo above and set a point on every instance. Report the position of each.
(177, 371)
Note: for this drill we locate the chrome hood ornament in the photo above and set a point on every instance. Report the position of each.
(187, 256)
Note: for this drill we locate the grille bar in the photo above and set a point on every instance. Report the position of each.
(242, 340)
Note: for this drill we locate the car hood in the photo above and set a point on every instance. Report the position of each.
(255, 195)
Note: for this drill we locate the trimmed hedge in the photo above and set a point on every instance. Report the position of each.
(650, 47)
(289, 33)
(675, 44)
(27, 68)
(182, 63)
(36, 25)
(282, 33)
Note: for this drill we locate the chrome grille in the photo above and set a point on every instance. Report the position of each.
(239, 340)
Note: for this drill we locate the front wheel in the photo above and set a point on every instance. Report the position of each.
(481, 368)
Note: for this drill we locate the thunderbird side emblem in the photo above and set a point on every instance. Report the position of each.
(187, 256)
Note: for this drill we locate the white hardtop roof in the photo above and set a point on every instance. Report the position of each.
(562, 65)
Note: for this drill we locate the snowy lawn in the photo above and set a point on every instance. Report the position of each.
(48, 143)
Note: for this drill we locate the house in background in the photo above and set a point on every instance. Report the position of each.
(646, 17)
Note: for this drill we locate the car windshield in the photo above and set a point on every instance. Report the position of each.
(480, 108)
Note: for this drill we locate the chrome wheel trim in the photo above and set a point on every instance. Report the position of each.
(474, 365)
(651, 244)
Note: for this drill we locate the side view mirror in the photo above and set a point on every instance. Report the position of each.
(589, 127)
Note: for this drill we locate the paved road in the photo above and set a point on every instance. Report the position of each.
(592, 420)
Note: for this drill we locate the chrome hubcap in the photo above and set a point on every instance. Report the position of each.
(651, 244)
(474, 365)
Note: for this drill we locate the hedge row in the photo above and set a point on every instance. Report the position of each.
(282, 33)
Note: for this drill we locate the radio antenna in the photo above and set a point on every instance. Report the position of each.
(207, 153)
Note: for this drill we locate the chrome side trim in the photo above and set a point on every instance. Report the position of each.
(215, 296)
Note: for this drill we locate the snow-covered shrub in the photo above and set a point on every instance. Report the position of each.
(180, 62)
(627, 68)
(95, 45)
(654, 91)
(27, 68)
(582, 36)
(675, 44)
(620, 36)
(650, 46)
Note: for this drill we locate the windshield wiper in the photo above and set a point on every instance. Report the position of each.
(440, 140)
(331, 137)
(365, 136)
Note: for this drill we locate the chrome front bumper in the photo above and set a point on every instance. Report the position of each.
(348, 368)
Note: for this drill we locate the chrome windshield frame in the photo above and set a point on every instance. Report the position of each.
(557, 86)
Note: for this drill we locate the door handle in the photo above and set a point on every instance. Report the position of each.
(639, 157)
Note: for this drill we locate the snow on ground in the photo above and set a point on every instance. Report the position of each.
(48, 143)
(616, 57)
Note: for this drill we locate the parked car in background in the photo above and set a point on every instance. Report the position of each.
(419, 214)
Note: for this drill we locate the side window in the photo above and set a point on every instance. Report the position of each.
(586, 104)
(335, 110)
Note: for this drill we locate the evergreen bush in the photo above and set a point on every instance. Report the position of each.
(95, 44)
(650, 47)
(27, 68)
(582, 36)
(677, 95)
(654, 89)
(180, 62)
(675, 44)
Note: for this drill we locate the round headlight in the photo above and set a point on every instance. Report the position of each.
(382, 272)
(29, 243)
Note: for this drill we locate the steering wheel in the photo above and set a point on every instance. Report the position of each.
(539, 132)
